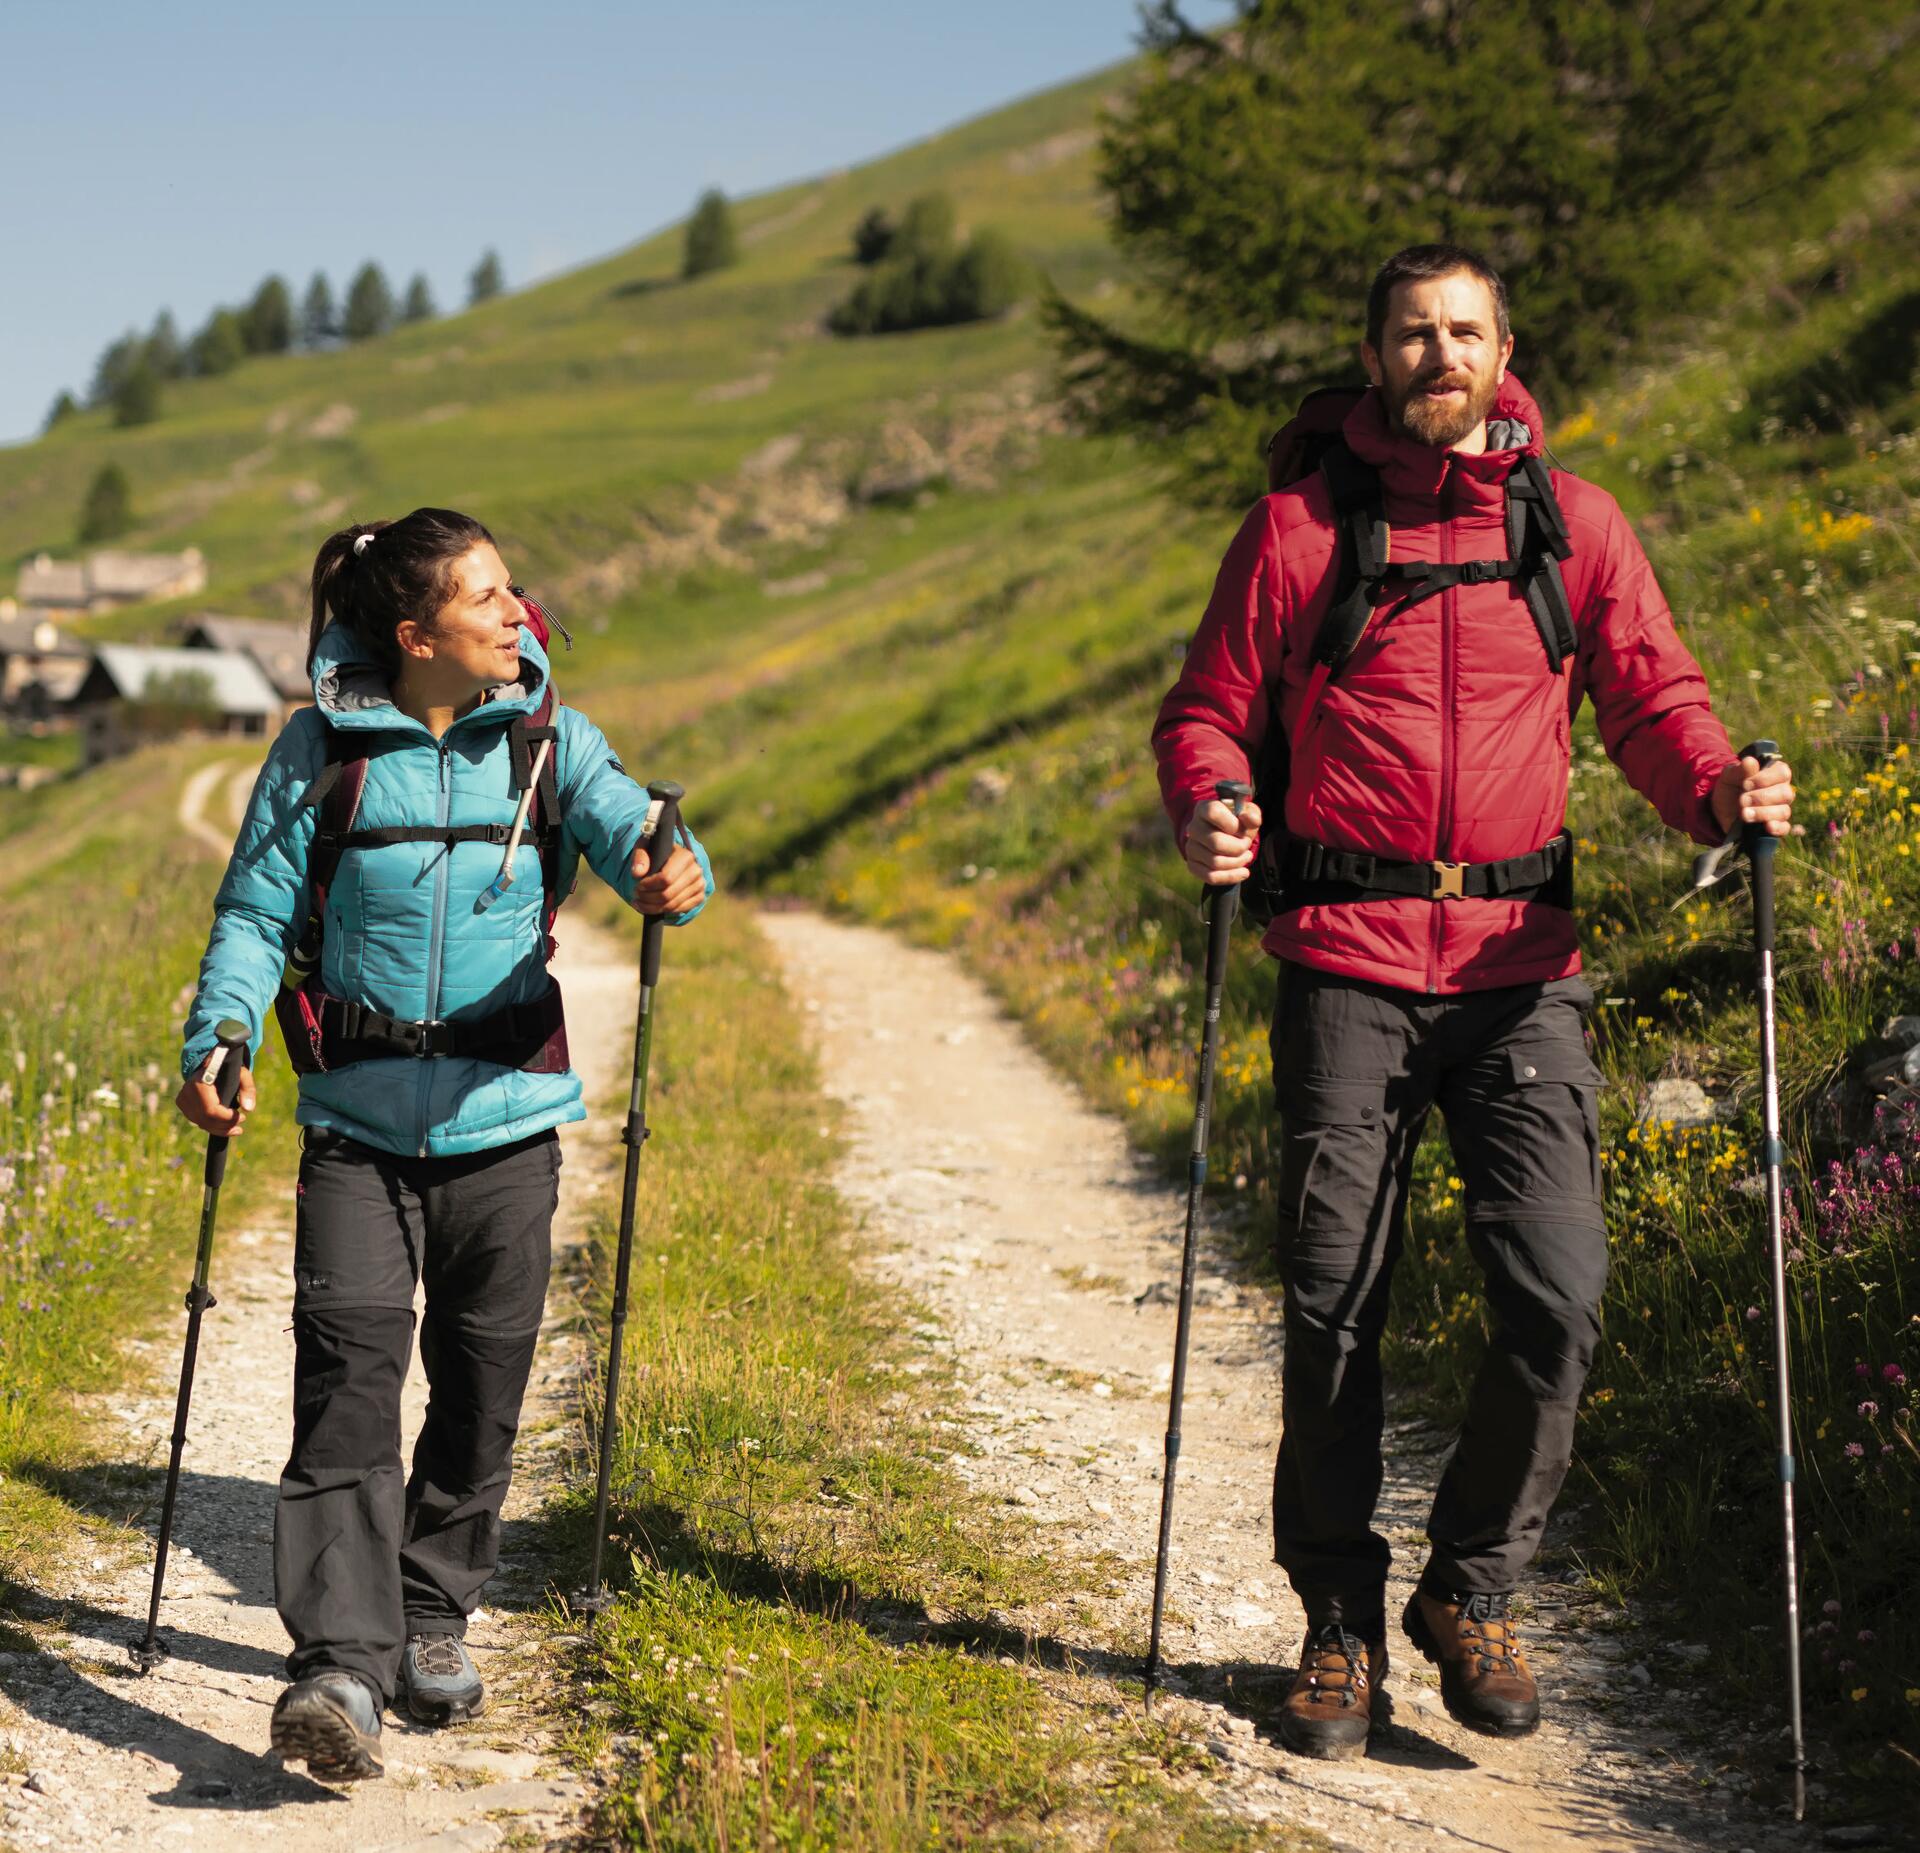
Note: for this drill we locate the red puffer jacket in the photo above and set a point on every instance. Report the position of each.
(1444, 737)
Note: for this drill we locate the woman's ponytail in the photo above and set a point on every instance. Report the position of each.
(334, 568)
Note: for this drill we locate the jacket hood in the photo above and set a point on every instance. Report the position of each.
(1515, 429)
(352, 691)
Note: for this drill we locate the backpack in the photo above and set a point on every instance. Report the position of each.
(1537, 541)
(322, 1032)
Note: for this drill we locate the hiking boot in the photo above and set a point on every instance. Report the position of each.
(1335, 1699)
(438, 1681)
(331, 1723)
(1484, 1679)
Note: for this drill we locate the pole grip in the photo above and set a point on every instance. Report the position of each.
(1223, 903)
(1760, 844)
(666, 830)
(231, 1037)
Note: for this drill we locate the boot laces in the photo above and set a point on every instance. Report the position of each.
(1322, 1646)
(1488, 1627)
(439, 1656)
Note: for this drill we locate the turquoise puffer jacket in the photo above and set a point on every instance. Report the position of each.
(401, 932)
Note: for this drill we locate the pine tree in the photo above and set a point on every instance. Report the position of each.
(267, 323)
(1606, 158)
(63, 408)
(219, 347)
(108, 509)
(164, 353)
(710, 243)
(873, 237)
(487, 280)
(418, 306)
(117, 360)
(319, 320)
(369, 304)
(136, 401)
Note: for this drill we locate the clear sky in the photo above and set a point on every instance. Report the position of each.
(171, 156)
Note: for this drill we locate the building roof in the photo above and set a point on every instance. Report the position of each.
(240, 685)
(140, 575)
(37, 637)
(279, 649)
(46, 581)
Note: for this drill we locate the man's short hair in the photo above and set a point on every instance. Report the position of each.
(1416, 264)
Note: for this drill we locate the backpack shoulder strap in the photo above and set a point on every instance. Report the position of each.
(1363, 545)
(336, 795)
(544, 815)
(1538, 540)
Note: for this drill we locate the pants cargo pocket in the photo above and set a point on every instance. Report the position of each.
(1335, 1180)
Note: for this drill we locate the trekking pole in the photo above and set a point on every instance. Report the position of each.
(223, 1069)
(1222, 904)
(633, 1135)
(1760, 844)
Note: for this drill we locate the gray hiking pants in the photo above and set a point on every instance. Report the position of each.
(359, 1560)
(1357, 1068)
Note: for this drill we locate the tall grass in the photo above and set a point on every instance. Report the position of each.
(102, 919)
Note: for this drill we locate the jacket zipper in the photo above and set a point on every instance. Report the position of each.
(442, 811)
(1443, 824)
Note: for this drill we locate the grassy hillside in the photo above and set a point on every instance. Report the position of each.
(902, 635)
(580, 416)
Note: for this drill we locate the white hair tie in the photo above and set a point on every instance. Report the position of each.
(361, 543)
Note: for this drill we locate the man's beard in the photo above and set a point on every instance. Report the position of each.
(1443, 423)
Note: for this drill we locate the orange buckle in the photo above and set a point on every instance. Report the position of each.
(1450, 882)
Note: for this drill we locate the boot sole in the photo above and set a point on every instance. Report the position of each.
(321, 1735)
(1415, 1625)
(451, 1711)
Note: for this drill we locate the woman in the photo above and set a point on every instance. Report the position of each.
(380, 868)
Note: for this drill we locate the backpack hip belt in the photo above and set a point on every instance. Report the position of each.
(1314, 875)
(516, 1037)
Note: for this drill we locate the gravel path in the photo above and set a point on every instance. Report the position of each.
(178, 1759)
(1048, 1253)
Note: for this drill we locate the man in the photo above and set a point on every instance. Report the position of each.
(1438, 964)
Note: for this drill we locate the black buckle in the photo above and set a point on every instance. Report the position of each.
(1485, 572)
(423, 1040)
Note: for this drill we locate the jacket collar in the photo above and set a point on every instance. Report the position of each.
(1417, 472)
(352, 691)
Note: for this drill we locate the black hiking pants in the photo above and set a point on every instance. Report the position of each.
(1357, 1068)
(359, 1560)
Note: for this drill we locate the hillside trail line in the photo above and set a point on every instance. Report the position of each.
(179, 1758)
(1047, 1253)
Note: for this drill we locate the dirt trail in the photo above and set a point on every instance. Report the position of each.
(178, 1758)
(1048, 1255)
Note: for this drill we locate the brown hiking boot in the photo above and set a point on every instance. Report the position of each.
(1336, 1698)
(1484, 1679)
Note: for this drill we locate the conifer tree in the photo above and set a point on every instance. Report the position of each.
(487, 280)
(369, 304)
(136, 401)
(108, 509)
(267, 323)
(64, 407)
(319, 320)
(418, 306)
(164, 352)
(117, 359)
(710, 243)
(219, 347)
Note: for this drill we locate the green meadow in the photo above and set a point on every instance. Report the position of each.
(902, 633)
